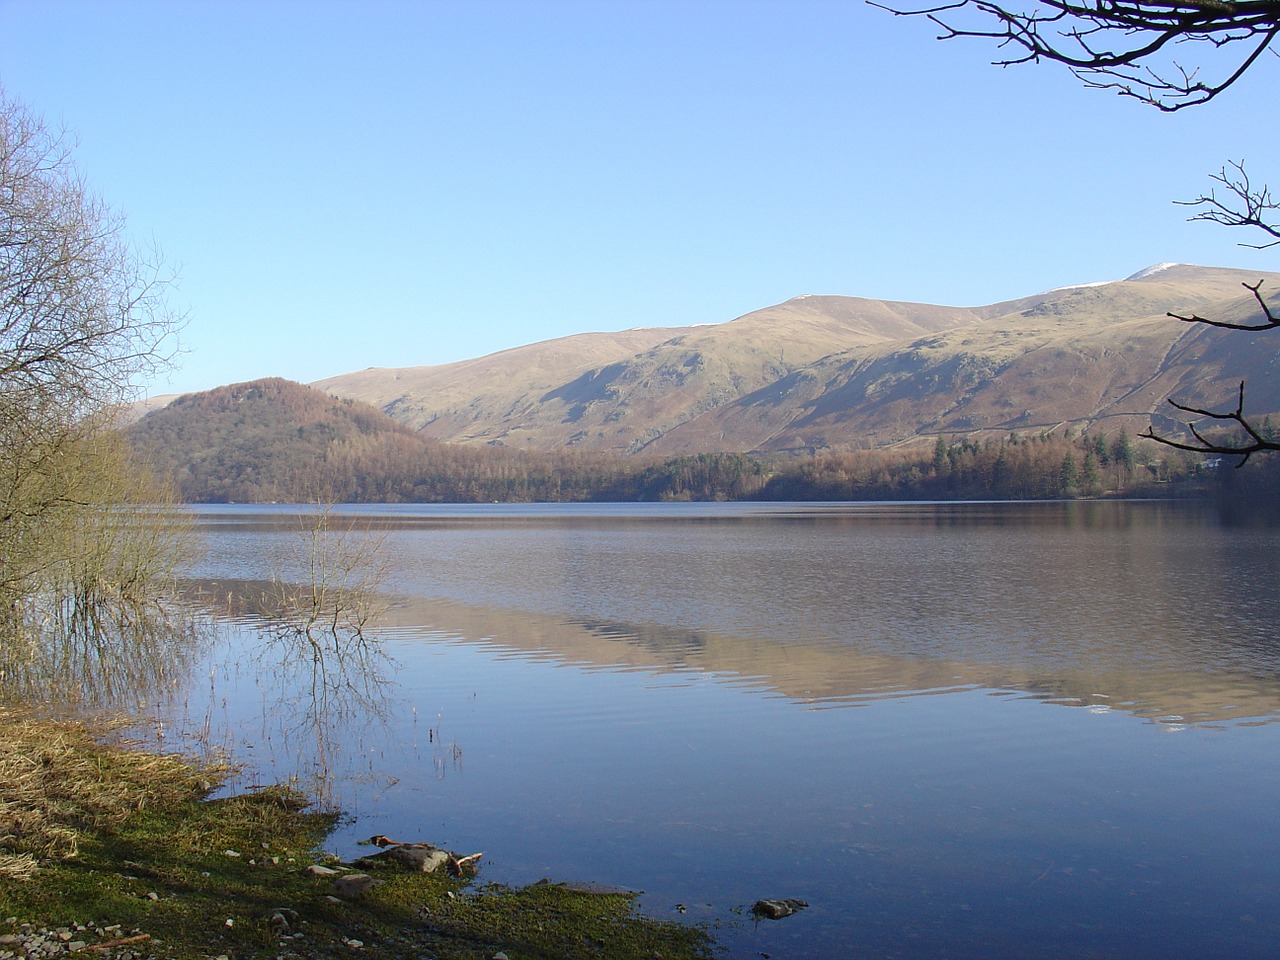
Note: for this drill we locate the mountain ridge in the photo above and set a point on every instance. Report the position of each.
(827, 373)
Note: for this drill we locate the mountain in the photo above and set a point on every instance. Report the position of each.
(829, 373)
(621, 392)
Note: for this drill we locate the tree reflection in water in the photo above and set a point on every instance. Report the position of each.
(320, 667)
(114, 657)
(102, 629)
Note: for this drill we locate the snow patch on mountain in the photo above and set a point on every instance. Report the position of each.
(1143, 274)
(1077, 286)
(1152, 271)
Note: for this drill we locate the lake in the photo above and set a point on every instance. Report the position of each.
(960, 730)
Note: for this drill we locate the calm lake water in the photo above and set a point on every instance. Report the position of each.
(960, 730)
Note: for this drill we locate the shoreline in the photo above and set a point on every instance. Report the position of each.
(111, 851)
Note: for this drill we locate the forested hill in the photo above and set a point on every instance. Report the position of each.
(278, 441)
(260, 441)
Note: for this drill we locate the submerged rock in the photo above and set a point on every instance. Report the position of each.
(777, 909)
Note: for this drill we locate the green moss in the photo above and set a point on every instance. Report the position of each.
(202, 878)
(549, 920)
(166, 871)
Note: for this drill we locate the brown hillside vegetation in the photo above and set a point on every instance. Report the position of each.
(262, 440)
(823, 374)
(278, 441)
(274, 440)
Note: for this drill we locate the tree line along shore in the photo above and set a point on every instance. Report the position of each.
(288, 443)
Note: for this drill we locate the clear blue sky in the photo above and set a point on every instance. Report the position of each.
(392, 184)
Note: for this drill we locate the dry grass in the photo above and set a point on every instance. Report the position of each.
(58, 782)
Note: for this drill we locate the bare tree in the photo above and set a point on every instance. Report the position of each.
(82, 315)
(1129, 46)
(321, 613)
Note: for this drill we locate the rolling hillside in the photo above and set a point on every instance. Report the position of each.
(828, 373)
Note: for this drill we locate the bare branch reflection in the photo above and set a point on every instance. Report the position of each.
(105, 630)
(322, 671)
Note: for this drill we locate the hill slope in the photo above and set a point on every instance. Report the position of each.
(262, 441)
(549, 395)
(829, 373)
(274, 440)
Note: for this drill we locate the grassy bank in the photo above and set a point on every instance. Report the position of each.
(118, 852)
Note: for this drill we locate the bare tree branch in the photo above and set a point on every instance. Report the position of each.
(1256, 206)
(1121, 45)
(1254, 440)
(1269, 323)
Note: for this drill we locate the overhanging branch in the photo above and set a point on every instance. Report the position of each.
(1121, 45)
(1254, 442)
(1270, 323)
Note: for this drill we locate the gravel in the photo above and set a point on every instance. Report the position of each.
(32, 942)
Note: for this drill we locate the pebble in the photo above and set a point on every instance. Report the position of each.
(45, 943)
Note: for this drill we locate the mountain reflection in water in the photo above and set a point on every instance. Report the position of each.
(651, 695)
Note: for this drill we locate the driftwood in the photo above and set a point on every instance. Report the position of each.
(118, 942)
(457, 863)
(378, 840)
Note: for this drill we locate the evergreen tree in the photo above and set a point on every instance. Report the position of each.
(1069, 475)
